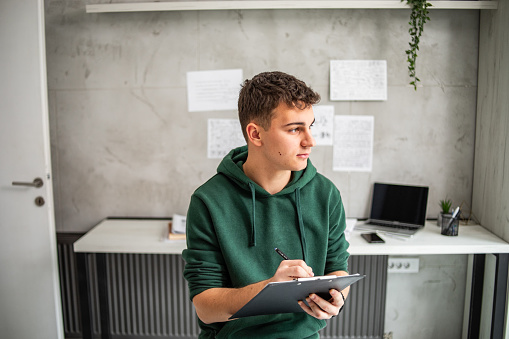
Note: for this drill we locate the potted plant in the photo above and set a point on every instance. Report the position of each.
(445, 208)
(418, 17)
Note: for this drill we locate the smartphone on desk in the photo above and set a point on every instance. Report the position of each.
(372, 238)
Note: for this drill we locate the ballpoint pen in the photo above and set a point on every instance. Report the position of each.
(278, 251)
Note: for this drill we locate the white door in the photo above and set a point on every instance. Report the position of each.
(29, 287)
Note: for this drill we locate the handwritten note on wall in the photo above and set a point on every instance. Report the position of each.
(353, 143)
(213, 90)
(361, 80)
(323, 128)
(223, 135)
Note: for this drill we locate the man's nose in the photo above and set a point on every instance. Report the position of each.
(308, 140)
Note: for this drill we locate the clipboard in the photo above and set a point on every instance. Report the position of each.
(283, 297)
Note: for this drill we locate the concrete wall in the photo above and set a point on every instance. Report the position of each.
(428, 304)
(123, 143)
(491, 171)
(491, 179)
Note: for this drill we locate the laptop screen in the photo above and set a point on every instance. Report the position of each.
(399, 203)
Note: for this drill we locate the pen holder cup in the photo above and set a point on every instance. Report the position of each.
(448, 227)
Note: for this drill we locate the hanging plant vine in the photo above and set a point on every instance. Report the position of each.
(418, 18)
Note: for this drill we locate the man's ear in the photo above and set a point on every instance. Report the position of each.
(253, 134)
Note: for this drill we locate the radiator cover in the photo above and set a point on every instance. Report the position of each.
(148, 297)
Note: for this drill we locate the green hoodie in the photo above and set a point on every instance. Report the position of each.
(233, 226)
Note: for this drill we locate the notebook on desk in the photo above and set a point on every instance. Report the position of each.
(396, 209)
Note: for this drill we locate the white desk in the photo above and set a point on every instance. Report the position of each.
(130, 236)
(471, 239)
(148, 236)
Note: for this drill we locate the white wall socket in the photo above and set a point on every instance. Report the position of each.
(403, 265)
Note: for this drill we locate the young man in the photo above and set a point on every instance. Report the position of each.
(265, 195)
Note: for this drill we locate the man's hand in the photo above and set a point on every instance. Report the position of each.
(292, 269)
(321, 308)
(219, 304)
(318, 307)
(326, 309)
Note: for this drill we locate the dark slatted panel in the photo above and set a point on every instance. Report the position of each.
(149, 298)
(364, 312)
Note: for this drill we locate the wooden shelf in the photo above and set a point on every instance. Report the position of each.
(276, 4)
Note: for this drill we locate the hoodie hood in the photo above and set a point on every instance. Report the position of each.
(231, 166)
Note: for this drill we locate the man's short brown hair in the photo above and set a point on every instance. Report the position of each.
(260, 96)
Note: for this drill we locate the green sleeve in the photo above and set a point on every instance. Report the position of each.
(205, 267)
(337, 254)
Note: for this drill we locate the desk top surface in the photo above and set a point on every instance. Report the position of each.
(149, 236)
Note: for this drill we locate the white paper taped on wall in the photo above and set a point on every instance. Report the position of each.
(353, 143)
(223, 135)
(323, 128)
(358, 80)
(213, 90)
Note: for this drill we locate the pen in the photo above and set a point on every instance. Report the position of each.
(281, 253)
(449, 225)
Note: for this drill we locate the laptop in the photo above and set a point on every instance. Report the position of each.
(397, 209)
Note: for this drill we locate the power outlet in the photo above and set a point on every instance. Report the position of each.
(403, 265)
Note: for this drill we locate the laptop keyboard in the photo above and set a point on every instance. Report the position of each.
(399, 230)
(403, 227)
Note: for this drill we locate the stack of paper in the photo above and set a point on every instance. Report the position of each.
(177, 228)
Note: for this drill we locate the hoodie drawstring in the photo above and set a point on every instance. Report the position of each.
(301, 224)
(252, 241)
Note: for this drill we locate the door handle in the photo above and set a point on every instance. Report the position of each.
(37, 183)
